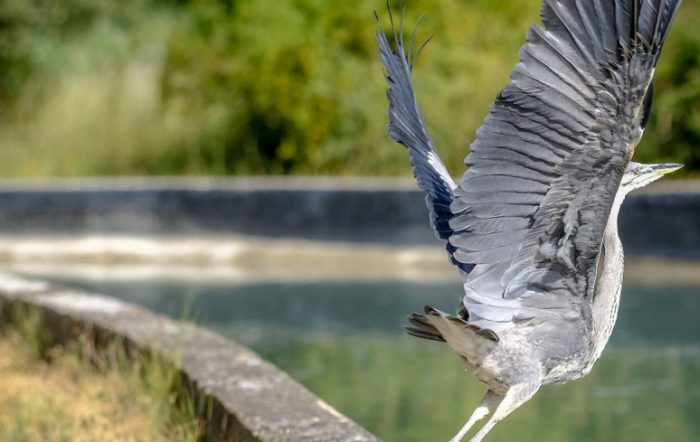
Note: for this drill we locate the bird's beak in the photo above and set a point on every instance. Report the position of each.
(666, 168)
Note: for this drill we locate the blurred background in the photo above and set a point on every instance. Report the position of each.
(229, 87)
(318, 275)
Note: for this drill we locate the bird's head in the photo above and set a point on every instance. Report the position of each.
(639, 175)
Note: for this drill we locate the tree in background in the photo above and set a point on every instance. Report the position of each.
(674, 132)
(288, 79)
(26, 26)
(124, 87)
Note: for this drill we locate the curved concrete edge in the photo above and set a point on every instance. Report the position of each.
(256, 400)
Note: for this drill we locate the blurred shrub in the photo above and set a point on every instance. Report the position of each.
(298, 87)
(250, 86)
(286, 77)
(25, 24)
(17, 20)
(673, 134)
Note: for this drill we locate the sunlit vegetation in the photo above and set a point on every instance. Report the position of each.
(74, 392)
(134, 87)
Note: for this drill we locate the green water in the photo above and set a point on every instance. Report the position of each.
(344, 341)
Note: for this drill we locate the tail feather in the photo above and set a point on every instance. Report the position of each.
(435, 325)
(422, 328)
(420, 333)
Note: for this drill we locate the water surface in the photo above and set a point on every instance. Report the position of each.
(344, 341)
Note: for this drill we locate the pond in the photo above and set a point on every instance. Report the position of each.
(344, 341)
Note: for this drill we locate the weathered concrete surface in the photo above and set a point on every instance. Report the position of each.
(660, 220)
(233, 259)
(253, 400)
(324, 209)
(661, 224)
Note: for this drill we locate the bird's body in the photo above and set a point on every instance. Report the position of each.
(532, 224)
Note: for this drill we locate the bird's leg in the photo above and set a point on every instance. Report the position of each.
(486, 407)
(516, 396)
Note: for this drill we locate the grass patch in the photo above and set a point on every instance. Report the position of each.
(75, 392)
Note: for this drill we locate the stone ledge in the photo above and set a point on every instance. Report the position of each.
(660, 220)
(252, 399)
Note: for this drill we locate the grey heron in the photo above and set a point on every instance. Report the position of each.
(532, 224)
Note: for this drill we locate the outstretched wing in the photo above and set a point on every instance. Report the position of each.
(406, 127)
(531, 210)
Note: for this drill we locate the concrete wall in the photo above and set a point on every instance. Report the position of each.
(240, 397)
(663, 220)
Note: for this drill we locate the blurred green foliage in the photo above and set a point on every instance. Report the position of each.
(298, 84)
(286, 77)
(674, 130)
(124, 87)
(25, 25)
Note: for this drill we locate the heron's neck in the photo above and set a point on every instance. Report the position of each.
(609, 283)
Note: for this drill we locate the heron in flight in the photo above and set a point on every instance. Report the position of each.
(532, 224)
